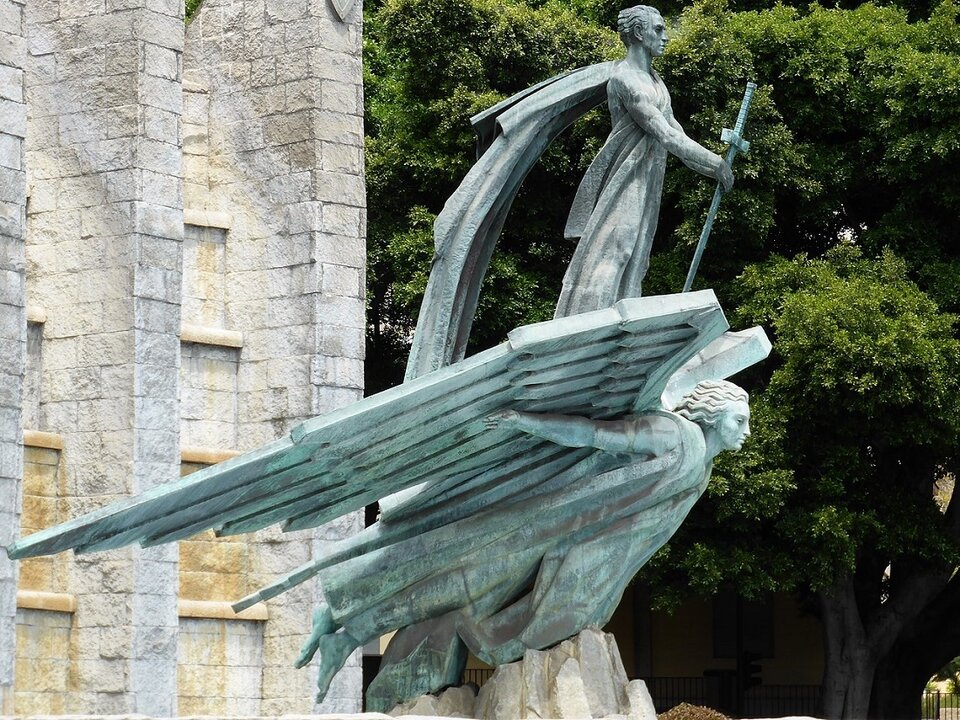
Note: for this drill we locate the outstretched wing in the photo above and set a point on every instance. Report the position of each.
(426, 434)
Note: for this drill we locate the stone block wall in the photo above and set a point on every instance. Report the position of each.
(220, 667)
(273, 155)
(273, 135)
(208, 395)
(104, 234)
(13, 319)
(41, 663)
(43, 488)
(194, 285)
(204, 264)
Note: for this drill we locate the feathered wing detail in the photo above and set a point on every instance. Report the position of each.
(428, 432)
(655, 340)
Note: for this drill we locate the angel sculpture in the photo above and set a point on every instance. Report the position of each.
(615, 211)
(520, 489)
(557, 558)
(617, 205)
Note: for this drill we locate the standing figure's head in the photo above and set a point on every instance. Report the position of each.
(642, 24)
(722, 409)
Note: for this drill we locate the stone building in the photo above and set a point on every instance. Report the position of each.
(181, 279)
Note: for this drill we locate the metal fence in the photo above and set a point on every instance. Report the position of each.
(668, 692)
(782, 700)
(720, 692)
(477, 676)
(940, 706)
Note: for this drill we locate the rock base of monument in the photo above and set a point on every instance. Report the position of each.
(580, 678)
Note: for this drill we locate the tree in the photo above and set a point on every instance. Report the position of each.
(855, 424)
(856, 133)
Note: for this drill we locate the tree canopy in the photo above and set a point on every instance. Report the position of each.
(854, 173)
(855, 425)
(855, 130)
(855, 420)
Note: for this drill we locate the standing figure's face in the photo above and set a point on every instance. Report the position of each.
(654, 35)
(733, 427)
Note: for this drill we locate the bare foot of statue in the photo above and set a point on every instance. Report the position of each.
(323, 624)
(335, 648)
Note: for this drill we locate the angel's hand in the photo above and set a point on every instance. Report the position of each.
(501, 419)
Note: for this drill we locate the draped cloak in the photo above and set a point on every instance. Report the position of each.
(580, 539)
(511, 137)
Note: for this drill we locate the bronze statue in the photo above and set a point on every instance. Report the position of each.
(514, 510)
(615, 210)
(535, 571)
(616, 207)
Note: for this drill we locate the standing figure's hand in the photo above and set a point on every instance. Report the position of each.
(501, 419)
(725, 175)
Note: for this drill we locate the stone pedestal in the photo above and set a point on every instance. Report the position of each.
(580, 678)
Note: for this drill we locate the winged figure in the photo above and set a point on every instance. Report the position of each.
(500, 505)
(616, 208)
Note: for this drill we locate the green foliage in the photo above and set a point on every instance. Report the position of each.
(950, 674)
(190, 8)
(855, 131)
(852, 427)
(430, 65)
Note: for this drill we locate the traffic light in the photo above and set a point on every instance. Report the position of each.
(748, 669)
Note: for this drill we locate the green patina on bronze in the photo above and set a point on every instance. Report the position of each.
(475, 509)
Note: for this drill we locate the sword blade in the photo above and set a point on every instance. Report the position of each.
(738, 129)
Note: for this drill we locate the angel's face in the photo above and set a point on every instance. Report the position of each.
(733, 427)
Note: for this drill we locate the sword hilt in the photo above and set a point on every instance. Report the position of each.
(734, 137)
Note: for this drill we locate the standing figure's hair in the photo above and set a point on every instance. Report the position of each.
(708, 400)
(631, 18)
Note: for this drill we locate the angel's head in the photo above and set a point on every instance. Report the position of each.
(722, 409)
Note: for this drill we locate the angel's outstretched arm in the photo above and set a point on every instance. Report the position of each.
(651, 434)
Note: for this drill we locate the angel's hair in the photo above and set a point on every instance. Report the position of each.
(708, 401)
(632, 18)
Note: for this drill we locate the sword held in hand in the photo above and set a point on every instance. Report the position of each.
(737, 145)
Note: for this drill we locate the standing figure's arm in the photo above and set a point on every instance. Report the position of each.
(648, 435)
(669, 132)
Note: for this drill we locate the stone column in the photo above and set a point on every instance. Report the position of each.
(13, 322)
(104, 242)
(276, 141)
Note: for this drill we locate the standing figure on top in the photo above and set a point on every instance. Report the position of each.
(615, 210)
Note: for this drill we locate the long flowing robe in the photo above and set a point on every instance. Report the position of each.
(511, 137)
(615, 210)
(580, 542)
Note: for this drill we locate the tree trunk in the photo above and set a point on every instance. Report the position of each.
(849, 662)
(898, 685)
(928, 642)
